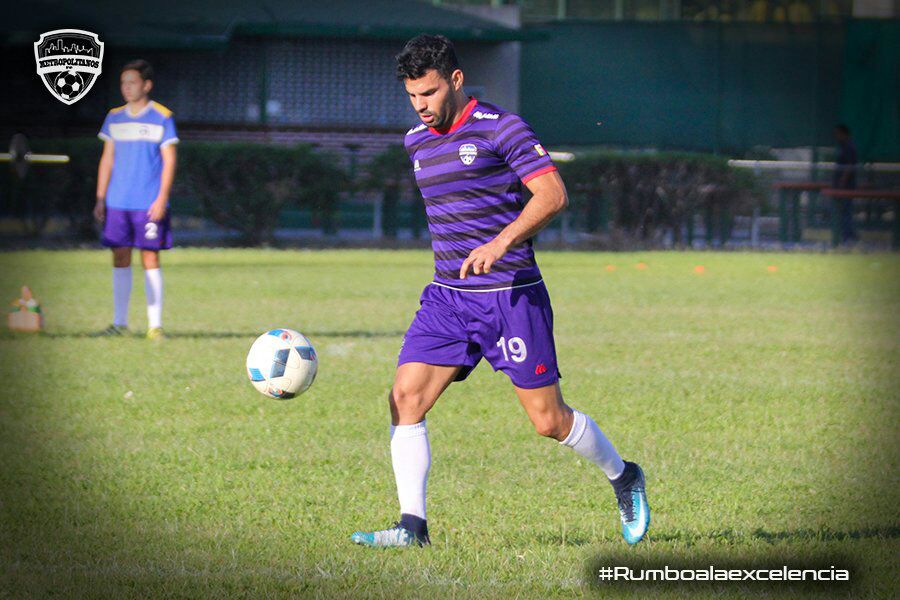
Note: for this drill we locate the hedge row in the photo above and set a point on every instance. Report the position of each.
(245, 187)
(643, 196)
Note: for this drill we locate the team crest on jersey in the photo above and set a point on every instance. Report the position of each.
(467, 153)
(69, 62)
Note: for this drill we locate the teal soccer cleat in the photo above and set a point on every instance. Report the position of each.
(394, 537)
(633, 507)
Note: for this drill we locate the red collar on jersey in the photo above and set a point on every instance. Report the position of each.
(459, 122)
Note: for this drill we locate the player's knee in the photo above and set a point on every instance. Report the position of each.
(150, 260)
(122, 258)
(406, 400)
(549, 425)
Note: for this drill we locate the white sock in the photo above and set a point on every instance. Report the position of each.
(121, 294)
(411, 457)
(587, 440)
(153, 285)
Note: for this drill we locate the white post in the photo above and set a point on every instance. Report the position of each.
(754, 220)
(754, 228)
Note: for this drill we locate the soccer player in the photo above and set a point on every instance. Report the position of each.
(844, 178)
(133, 183)
(470, 160)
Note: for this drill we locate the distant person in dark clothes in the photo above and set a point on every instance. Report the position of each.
(845, 179)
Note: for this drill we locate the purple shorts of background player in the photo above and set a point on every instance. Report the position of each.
(512, 328)
(132, 228)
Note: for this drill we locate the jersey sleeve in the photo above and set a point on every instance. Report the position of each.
(170, 135)
(517, 144)
(104, 133)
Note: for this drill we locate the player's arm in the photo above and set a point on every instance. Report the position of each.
(104, 171)
(548, 200)
(158, 208)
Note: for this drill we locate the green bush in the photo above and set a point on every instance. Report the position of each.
(643, 195)
(66, 190)
(245, 186)
(390, 172)
(241, 186)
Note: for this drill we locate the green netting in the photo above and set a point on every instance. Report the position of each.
(701, 86)
(870, 102)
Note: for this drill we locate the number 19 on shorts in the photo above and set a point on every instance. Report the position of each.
(513, 348)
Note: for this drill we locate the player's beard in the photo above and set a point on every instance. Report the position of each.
(442, 119)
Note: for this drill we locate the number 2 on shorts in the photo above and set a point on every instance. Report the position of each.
(517, 349)
(150, 231)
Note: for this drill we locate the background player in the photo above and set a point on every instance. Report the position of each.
(844, 178)
(487, 299)
(133, 183)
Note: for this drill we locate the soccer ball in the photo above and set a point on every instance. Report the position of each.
(282, 364)
(69, 84)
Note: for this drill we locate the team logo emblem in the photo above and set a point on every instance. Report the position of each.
(69, 62)
(540, 150)
(467, 153)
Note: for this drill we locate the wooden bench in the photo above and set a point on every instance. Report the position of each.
(836, 194)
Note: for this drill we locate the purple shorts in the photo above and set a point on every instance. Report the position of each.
(511, 328)
(132, 228)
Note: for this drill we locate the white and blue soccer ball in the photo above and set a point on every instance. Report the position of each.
(282, 363)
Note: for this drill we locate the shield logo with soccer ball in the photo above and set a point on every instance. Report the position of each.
(467, 153)
(68, 62)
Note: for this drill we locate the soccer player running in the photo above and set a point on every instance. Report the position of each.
(133, 183)
(487, 299)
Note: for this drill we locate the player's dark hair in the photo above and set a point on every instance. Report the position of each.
(141, 66)
(842, 128)
(425, 52)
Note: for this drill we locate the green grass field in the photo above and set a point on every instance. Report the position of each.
(762, 404)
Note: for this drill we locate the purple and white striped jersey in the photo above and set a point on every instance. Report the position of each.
(471, 178)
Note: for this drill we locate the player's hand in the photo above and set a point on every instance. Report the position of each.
(157, 210)
(100, 210)
(482, 258)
